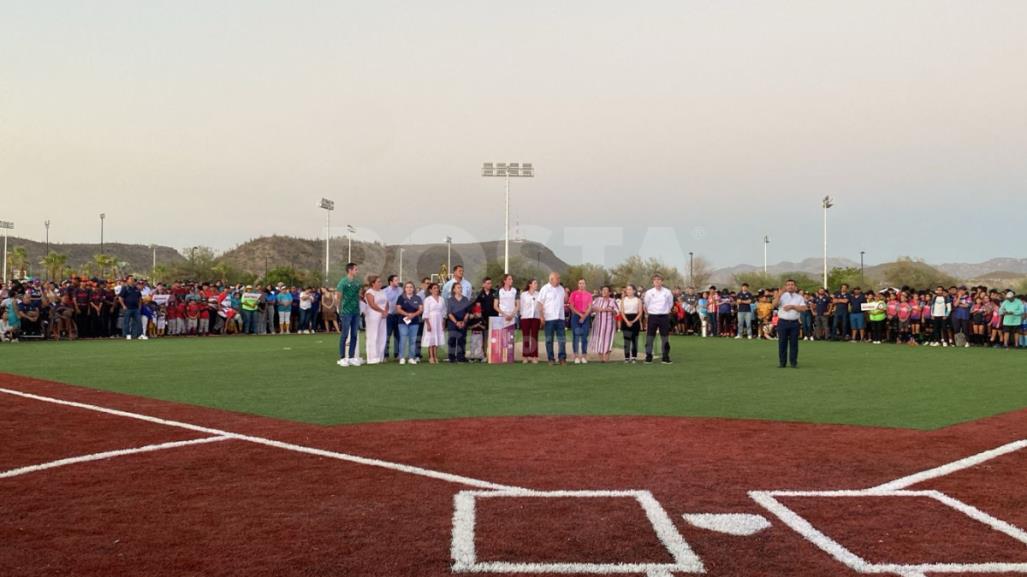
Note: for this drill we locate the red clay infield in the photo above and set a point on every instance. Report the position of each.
(236, 507)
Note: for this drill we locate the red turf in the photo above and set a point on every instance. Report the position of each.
(235, 508)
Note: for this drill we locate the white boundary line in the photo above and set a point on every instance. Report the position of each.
(465, 555)
(109, 455)
(409, 469)
(949, 468)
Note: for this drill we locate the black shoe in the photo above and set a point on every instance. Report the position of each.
(648, 360)
(667, 362)
(795, 366)
(781, 366)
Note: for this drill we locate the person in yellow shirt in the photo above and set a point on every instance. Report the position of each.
(765, 314)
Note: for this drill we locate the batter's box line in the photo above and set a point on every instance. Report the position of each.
(465, 555)
(769, 501)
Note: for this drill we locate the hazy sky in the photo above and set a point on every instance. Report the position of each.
(213, 122)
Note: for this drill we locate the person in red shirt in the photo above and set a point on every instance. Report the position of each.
(204, 324)
(193, 316)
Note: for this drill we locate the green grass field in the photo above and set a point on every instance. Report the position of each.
(295, 378)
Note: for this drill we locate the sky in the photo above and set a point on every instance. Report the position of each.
(655, 128)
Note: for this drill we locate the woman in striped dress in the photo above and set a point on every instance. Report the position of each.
(604, 325)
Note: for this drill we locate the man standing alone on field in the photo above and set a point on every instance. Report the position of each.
(349, 316)
(658, 302)
(790, 305)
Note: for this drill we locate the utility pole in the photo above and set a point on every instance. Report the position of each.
(691, 269)
(826, 204)
(328, 206)
(103, 217)
(861, 253)
(766, 243)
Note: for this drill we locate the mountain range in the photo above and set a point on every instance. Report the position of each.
(274, 251)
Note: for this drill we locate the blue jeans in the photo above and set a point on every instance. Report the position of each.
(304, 319)
(745, 323)
(392, 323)
(248, 326)
(348, 331)
(132, 324)
(558, 329)
(579, 334)
(407, 339)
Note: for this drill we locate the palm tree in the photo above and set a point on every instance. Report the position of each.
(102, 263)
(54, 264)
(18, 260)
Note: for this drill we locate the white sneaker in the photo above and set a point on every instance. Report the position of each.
(966, 346)
(738, 336)
(355, 362)
(342, 362)
(577, 361)
(128, 337)
(945, 344)
(413, 361)
(584, 361)
(144, 338)
(402, 361)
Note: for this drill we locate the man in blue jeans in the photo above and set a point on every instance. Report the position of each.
(790, 306)
(840, 326)
(552, 297)
(349, 317)
(130, 298)
(744, 300)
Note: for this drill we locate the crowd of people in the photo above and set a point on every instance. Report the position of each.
(417, 321)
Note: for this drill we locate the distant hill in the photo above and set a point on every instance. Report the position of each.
(987, 268)
(138, 256)
(374, 258)
(811, 266)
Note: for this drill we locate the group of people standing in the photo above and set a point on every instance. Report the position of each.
(452, 315)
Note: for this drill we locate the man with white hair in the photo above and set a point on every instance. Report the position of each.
(552, 297)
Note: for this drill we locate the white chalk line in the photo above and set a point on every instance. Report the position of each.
(464, 553)
(109, 455)
(409, 469)
(949, 468)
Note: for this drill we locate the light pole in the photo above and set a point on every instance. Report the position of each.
(349, 242)
(861, 253)
(46, 223)
(449, 255)
(328, 206)
(766, 243)
(507, 170)
(153, 268)
(103, 217)
(827, 203)
(401, 249)
(691, 268)
(6, 226)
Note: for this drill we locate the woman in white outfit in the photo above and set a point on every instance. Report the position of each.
(434, 322)
(377, 311)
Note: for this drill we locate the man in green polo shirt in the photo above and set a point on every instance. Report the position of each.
(349, 317)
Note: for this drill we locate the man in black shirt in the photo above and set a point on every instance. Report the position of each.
(487, 299)
(744, 300)
(130, 299)
(840, 326)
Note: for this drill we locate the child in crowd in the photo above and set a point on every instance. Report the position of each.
(765, 315)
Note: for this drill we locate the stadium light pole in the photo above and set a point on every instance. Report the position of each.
(401, 250)
(827, 203)
(766, 244)
(861, 253)
(328, 206)
(6, 226)
(349, 242)
(691, 268)
(449, 255)
(103, 216)
(46, 223)
(507, 170)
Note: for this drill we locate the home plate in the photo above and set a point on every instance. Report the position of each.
(738, 524)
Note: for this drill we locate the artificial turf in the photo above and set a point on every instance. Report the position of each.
(296, 378)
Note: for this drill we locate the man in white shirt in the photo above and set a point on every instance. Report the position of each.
(552, 298)
(658, 303)
(790, 305)
(458, 277)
